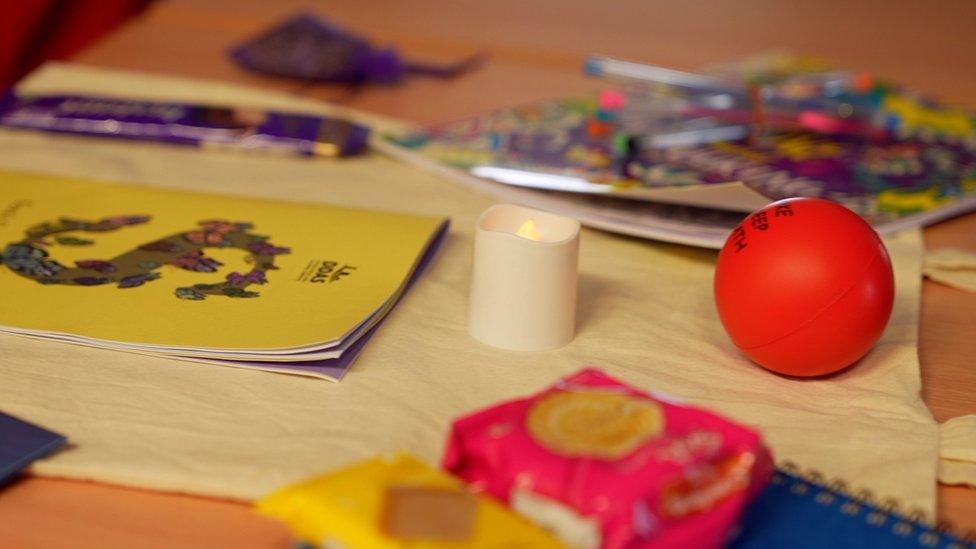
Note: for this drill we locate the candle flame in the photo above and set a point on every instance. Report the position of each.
(529, 231)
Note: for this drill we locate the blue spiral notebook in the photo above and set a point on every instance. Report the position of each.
(22, 443)
(802, 511)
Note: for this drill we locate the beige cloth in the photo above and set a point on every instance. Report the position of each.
(952, 267)
(957, 451)
(646, 315)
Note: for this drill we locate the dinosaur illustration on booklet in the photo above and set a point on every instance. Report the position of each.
(135, 267)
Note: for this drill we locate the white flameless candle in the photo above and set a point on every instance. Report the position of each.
(523, 283)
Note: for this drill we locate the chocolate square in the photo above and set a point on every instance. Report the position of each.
(418, 512)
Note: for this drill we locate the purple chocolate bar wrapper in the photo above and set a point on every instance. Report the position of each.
(185, 124)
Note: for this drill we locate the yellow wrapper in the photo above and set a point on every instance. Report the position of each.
(348, 507)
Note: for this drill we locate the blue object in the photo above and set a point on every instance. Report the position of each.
(22, 443)
(799, 513)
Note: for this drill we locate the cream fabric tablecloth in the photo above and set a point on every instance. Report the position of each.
(957, 451)
(646, 316)
(952, 267)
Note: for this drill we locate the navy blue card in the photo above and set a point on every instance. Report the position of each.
(22, 443)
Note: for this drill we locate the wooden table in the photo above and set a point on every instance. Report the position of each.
(536, 52)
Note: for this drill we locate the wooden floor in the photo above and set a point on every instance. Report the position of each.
(536, 52)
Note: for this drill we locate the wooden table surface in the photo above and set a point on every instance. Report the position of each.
(536, 51)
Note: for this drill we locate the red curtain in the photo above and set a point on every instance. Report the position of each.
(33, 31)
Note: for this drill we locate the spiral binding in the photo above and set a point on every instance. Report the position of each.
(880, 510)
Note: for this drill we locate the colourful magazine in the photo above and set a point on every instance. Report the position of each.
(916, 166)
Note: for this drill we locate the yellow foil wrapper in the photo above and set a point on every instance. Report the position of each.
(366, 504)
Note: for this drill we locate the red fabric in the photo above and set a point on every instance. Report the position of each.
(33, 31)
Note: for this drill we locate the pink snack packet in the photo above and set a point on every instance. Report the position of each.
(602, 464)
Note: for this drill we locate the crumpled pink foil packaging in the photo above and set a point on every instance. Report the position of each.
(605, 465)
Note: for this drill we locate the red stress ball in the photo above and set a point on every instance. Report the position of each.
(804, 287)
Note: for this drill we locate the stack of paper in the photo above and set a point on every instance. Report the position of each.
(278, 286)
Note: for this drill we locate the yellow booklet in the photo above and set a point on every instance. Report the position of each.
(177, 273)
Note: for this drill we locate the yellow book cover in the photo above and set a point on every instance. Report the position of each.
(168, 271)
